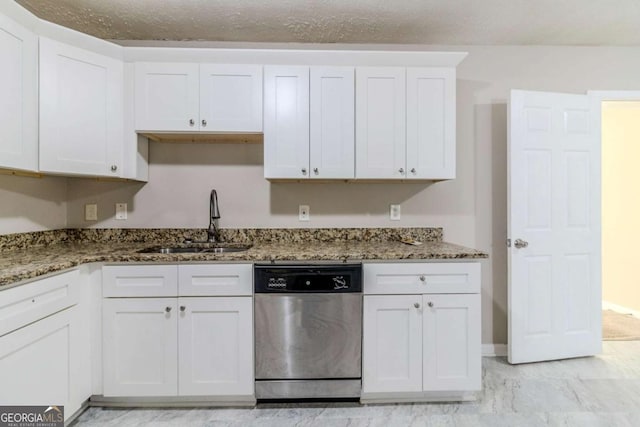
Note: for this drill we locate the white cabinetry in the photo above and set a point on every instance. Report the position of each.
(421, 331)
(309, 122)
(19, 96)
(44, 344)
(81, 111)
(189, 342)
(184, 97)
(405, 123)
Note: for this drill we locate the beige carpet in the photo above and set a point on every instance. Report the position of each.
(619, 327)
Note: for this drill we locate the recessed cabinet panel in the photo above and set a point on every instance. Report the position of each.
(216, 346)
(286, 122)
(431, 123)
(140, 338)
(451, 342)
(392, 344)
(18, 96)
(332, 149)
(167, 97)
(81, 111)
(380, 123)
(230, 98)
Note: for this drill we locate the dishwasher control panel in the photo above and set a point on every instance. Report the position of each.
(321, 278)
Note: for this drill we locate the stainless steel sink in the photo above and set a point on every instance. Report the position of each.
(218, 249)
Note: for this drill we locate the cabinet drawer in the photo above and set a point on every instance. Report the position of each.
(25, 304)
(139, 281)
(222, 279)
(422, 278)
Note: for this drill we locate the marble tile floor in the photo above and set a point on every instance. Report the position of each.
(594, 391)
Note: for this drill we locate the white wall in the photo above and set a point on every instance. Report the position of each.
(620, 205)
(32, 204)
(472, 209)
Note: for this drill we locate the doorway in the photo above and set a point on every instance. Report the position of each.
(620, 219)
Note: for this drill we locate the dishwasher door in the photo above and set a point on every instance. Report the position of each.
(308, 336)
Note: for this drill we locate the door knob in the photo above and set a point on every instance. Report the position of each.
(401, 170)
(416, 305)
(304, 171)
(167, 309)
(192, 122)
(204, 123)
(519, 243)
(114, 168)
(422, 278)
(413, 170)
(430, 304)
(315, 170)
(183, 308)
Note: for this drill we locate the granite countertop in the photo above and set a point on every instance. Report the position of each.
(29, 261)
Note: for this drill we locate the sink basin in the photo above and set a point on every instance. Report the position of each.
(218, 249)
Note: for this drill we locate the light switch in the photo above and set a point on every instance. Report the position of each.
(121, 211)
(91, 212)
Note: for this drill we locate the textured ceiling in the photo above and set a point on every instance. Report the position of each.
(494, 22)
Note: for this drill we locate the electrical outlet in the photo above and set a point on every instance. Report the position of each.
(121, 211)
(394, 212)
(91, 212)
(303, 213)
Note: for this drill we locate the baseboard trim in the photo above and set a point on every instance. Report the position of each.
(606, 305)
(494, 350)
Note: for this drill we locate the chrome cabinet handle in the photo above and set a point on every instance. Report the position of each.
(167, 309)
(114, 168)
(430, 304)
(416, 305)
(315, 170)
(401, 170)
(422, 278)
(413, 170)
(304, 171)
(182, 308)
(192, 122)
(204, 123)
(519, 243)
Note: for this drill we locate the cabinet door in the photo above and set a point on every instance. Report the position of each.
(140, 354)
(286, 122)
(451, 346)
(167, 97)
(392, 344)
(40, 363)
(231, 98)
(431, 123)
(380, 123)
(216, 346)
(19, 96)
(81, 111)
(332, 132)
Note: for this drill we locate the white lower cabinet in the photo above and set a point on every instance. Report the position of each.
(418, 345)
(180, 346)
(44, 359)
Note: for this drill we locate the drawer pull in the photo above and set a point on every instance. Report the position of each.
(430, 304)
(182, 308)
(422, 278)
(416, 305)
(167, 309)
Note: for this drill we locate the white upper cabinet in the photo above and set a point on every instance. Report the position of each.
(184, 97)
(18, 96)
(431, 123)
(167, 97)
(81, 111)
(332, 126)
(405, 123)
(380, 122)
(231, 98)
(286, 122)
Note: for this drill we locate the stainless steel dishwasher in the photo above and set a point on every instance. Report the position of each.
(308, 331)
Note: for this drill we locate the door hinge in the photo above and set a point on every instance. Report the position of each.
(508, 243)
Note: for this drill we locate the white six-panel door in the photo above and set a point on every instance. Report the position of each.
(286, 122)
(380, 122)
(230, 98)
(451, 335)
(332, 126)
(140, 346)
(215, 346)
(431, 123)
(81, 111)
(167, 97)
(554, 227)
(18, 96)
(392, 344)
